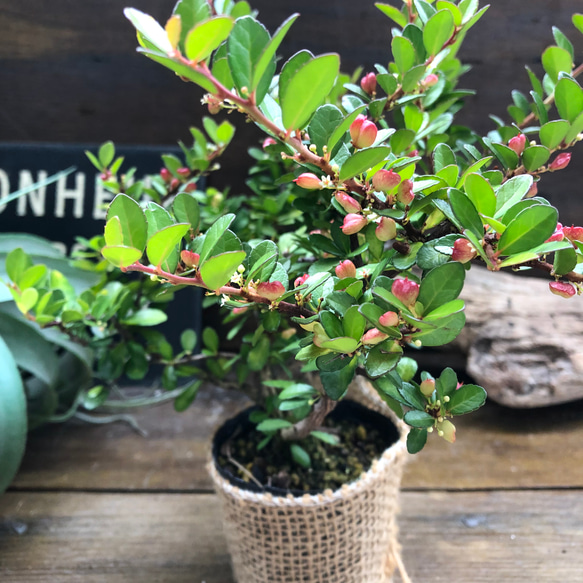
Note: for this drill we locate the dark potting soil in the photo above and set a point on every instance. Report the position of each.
(363, 436)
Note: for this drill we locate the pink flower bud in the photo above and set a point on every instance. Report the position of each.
(405, 290)
(560, 162)
(446, 429)
(573, 233)
(563, 289)
(349, 204)
(558, 235)
(353, 223)
(174, 184)
(301, 280)
(405, 193)
(463, 251)
(189, 258)
(427, 387)
(363, 132)
(389, 320)
(413, 153)
(165, 174)
(430, 80)
(369, 83)
(268, 142)
(517, 143)
(240, 310)
(345, 269)
(190, 187)
(184, 172)
(105, 176)
(270, 290)
(373, 336)
(309, 181)
(386, 229)
(214, 104)
(385, 180)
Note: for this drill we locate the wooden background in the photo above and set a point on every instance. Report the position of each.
(69, 73)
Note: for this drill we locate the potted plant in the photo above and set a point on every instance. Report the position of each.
(379, 205)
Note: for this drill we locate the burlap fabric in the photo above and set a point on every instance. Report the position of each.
(346, 536)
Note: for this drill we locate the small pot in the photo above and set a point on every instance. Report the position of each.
(343, 536)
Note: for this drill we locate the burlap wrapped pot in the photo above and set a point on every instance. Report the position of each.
(346, 536)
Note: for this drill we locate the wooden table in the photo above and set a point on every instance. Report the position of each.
(102, 504)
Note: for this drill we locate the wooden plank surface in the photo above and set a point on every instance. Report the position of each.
(496, 447)
(476, 537)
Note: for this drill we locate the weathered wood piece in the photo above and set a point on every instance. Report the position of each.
(524, 345)
(177, 538)
(496, 448)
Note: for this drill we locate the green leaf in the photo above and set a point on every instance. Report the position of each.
(342, 344)
(378, 362)
(419, 419)
(353, 323)
(13, 420)
(443, 156)
(300, 455)
(466, 399)
(151, 30)
(556, 60)
(164, 243)
(403, 53)
(441, 285)
(336, 383)
(206, 36)
(343, 127)
(447, 330)
(246, 44)
(438, 30)
(291, 67)
(268, 55)
(481, 193)
(401, 140)
(218, 270)
(534, 157)
(307, 89)
(186, 398)
(186, 210)
(425, 10)
(568, 99)
(106, 154)
(416, 440)
(270, 425)
(563, 42)
(188, 340)
(259, 355)
(132, 220)
(444, 310)
(565, 261)
(146, 317)
(112, 233)
(362, 161)
(210, 339)
(511, 192)
(578, 22)
(541, 109)
(213, 235)
(393, 13)
(121, 255)
(554, 132)
(466, 212)
(17, 262)
(296, 390)
(191, 12)
(326, 119)
(531, 227)
(328, 438)
(505, 155)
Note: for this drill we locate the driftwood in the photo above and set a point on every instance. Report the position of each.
(523, 344)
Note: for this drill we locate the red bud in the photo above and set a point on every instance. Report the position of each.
(518, 143)
(165, 174)
(270, 290)
(386, 229)
(560, 162)
(189, 258)
(309, 181)
(406, 291)
(463, 251)
(385, 180)
(369, 83)
(389, 319)
(363, 132)
(349, 204)
(268, 142)
(353, 223)
(563, 289)
(430, 80)
(174, 183)
(573, 233)
(301, 280)
(345, 269)
(558, 235)
(405, 193)
(183, 172)
(373, 336)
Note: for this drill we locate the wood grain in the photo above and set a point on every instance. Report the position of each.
(496, 448)
(475, 537)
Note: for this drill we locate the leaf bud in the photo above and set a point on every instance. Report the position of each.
(373, 336)
(389, 319)
(349, 204)
(405, 193)
(562, 288)
(385, 180)
(463, 251)
(573, 233)
(427, 387)
(189, 258)
(353, 223)
(369, 83)
(517, 143)
(345, 269)
(406, 291)
(363, 132)
(270, 290)
(309, 181)
(560, 162)
(386, 229)
(446, 429)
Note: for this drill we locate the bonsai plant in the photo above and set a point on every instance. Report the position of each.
(379, 204)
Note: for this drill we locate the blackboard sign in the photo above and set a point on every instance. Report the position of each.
(75, 205)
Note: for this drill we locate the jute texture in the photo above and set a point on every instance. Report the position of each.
(346, 536)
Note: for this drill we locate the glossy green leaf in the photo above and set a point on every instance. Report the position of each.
(540, 108)
(218, 270)
(466, 399)
(441, 285)
(401, 140)
(447, 330)
(121, 255)
(556, 60)
(378, 362)
(336, 383)
(206, 36)
(343, 127)
(575, 130)
(424, 9)
(568, 99)
(565, 261)
(554, 132)
(132, 220)
(300, 455)
(446, 309)
(186, 210)
(411, 79)
(32, 276)
(505, 155)
(213, 235)
(419, 419)
(323, 124)
(152, 31)
(363, 160)
(563, 42)
(112, 233)
(291, 67)
(307, 90)
(353, 323)
(534, 157)
(393, 13)
(191, 12)
(162, 244)
(511, 192)
(532, 227)
(416, 440)
(13, 418)
(443, 156)
(188, 340)
(297, 390)
(146, 317)
(342, 344)
(438, 31)
(481, 193)
(403, 53)
(465, 212)
(328, 438)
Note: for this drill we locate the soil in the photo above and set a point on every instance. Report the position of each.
(331, 465)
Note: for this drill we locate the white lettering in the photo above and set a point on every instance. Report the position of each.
(36, 197)
(4, 188)
(77, 194)
(102, 199)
